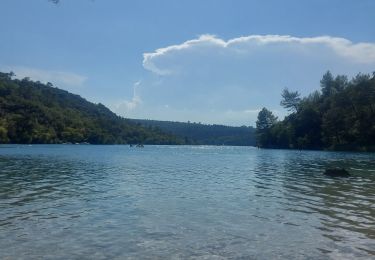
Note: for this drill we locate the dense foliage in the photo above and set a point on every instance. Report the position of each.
(196, 133)
(32, 112)
(339, 117)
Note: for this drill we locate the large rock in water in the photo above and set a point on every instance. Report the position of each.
(336, 172)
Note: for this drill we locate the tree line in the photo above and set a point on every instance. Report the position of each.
(341, 116)
(203, 134)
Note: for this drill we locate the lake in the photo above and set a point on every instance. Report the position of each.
(178, 202)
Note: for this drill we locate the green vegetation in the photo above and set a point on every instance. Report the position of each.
(339, 117)
(196, 133)
(32, 112)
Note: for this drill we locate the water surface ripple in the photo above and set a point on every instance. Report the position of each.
(172, 202)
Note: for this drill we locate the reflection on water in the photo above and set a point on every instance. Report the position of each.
(97, 202)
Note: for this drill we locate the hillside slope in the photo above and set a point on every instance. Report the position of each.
(32, 112)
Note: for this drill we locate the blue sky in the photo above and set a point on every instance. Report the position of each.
(207, 61)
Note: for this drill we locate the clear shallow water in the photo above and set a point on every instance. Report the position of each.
(171, 202)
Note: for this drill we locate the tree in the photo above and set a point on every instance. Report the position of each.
(359, 78)
(327, 84)
(264, 124)
(341, 82)
(265, 119)
(291, 100)
(6, 76)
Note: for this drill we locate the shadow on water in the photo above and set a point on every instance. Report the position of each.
(343, 206)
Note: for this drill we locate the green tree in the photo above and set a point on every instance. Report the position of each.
(341, 118)
(265, 121)
(290, 100)
(327, 84)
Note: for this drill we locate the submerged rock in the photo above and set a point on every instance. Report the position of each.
(336, 172)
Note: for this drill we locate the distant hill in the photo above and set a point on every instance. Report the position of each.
(32, 112)
(196, 133)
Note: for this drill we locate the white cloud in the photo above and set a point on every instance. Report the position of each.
(126, 106)
(210, 79)
(58, 78)
(219, 80)
(355, 52)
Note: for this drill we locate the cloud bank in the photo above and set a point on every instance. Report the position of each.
(237, 77)
(242, 46)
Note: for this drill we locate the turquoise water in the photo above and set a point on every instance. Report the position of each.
(172, 202)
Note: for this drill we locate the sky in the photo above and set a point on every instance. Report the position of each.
(209, 61)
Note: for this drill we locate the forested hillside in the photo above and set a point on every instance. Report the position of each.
(339, 117)
(196, 133)
(32, 112)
